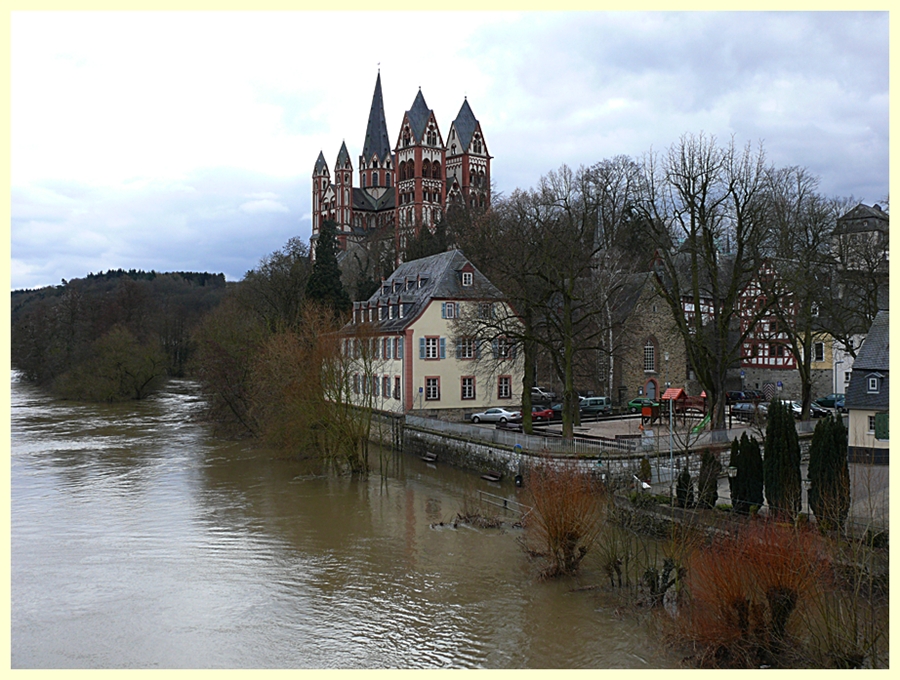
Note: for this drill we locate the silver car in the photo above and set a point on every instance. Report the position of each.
(497, 415)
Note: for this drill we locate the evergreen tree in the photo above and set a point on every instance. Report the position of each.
(324, 284)
(684, 489)
(751, 473)
(747, 484)
(781, 464)
(708, 480)
(829, 495)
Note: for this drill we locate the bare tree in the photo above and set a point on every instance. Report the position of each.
(705, 205)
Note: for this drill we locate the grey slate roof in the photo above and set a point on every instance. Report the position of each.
(377, 142)
(321, 164)
(363, 201)
(343, 157)
(853, 220)
(873, 359)
(465, 124)
(442, 281)
(418, 116)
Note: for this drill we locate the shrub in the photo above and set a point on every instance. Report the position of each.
(567, 518)
(743, 592)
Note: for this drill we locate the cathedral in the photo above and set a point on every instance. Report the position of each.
(403, 189)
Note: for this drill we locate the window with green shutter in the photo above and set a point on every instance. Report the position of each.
(881, 426)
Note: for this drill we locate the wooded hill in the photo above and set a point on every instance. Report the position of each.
(112, 335)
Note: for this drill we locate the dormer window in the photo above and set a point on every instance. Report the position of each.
(873, 384)
(467, 278)
(409, 284)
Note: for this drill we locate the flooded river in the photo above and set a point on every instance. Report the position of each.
(138, 540)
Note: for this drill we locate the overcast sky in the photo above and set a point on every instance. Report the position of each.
(186, 141)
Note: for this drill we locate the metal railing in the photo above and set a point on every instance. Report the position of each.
(532, 443)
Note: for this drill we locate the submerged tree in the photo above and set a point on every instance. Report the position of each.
(567, 517)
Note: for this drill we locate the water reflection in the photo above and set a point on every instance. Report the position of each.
(139, 541)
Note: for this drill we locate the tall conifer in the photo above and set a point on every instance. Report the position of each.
(781, 462)
(829, 494)
(324, 284)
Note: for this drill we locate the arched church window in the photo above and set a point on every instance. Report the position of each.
(426, 168)
(374, 179)
(436, 170)
(362, 181)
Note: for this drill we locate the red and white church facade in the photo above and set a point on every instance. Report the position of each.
(408, 187)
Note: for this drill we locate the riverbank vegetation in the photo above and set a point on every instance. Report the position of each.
(112, 336)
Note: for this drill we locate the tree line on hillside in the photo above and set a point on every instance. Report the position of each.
(111, 336)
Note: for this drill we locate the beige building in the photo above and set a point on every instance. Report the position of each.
(408, 353)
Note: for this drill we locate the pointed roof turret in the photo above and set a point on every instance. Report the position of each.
(321, 166)
(376, 131)
(343, 159)
(465, 124)
(418, 116)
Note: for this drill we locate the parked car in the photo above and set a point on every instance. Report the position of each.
(815, 411)
(734, 397)
(831, 400)
(637, 405)
(748, 410)
(755, 395)
(541, 413)
(497, 415)
(593, 406)
(839, 404)
(542, 394)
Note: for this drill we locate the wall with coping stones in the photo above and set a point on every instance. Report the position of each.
(482, 457)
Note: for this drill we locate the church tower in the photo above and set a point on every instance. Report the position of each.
(421, 160)
(321, 182)
(468, 161)
(343, 189)
(376, 163)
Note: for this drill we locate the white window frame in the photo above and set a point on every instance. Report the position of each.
(467, 279)
(467, 348)
(467, 387)
(873, 385)
(432, 347)
(504, 387)
(432, 388)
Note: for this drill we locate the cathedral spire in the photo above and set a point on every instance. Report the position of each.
(376, 132)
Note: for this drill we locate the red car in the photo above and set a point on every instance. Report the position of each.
(541, 413)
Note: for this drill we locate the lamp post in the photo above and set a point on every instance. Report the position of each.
(807, 484)
(671, 468)
(732, 475)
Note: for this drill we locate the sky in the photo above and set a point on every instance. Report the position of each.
(186, 141)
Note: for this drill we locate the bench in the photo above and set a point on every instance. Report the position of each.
(492, 476)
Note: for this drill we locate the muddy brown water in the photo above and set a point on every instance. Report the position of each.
(138, 540)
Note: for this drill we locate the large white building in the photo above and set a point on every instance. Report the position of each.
(409, 353)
